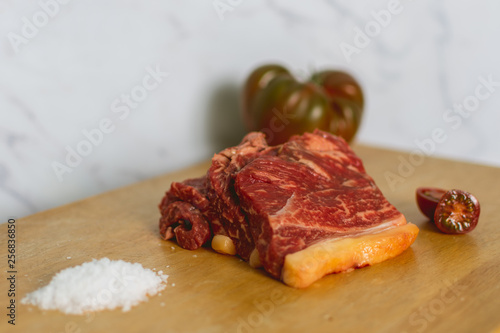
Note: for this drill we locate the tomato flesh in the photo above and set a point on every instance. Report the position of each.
(428, 198)
(457, 212)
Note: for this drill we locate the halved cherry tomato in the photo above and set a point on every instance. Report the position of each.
(428, 198)
(457, 212)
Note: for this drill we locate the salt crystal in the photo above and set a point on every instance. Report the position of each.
(195, 256)
(173, 248)
(173, 284)
(68, 258)
(98, 285)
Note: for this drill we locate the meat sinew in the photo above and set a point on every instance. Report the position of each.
(302, 210)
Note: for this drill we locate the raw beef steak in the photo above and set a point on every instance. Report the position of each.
(302, 209)
(314, 188)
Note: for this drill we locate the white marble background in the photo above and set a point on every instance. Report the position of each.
(67, 66)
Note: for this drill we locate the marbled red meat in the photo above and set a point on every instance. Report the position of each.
(314, 188)
(283, 199)
(184, 211)
(224, 201)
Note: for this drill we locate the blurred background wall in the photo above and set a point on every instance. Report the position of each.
(154, 86)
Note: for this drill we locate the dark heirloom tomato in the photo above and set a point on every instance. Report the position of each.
(258, 80)
(340, 84)
(428, 198)
(277, 104)
(457, 212)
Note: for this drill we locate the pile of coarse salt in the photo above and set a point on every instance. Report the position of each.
(98, 285)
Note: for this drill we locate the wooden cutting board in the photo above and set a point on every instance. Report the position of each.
(443, 283)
